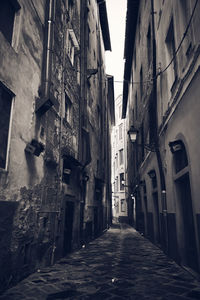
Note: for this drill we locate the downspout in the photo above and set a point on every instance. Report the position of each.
(157, 149)
(49, 50)
(47, 82)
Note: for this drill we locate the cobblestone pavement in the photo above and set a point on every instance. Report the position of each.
(121, 264)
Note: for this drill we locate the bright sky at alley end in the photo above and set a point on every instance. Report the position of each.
(116, 10)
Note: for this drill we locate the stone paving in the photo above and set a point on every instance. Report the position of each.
(121, 264)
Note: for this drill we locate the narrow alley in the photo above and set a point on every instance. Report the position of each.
(99, 106)
(121, 264)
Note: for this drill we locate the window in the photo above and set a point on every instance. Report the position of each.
(86, 149)
(141, 83)
(145, 197)
(68, 109)
(117, 206)
(154, 181)
(123, 205)
(117, 184)
(88, 36)
(136, 107)
(170, 42)
(69, 3)
(185, 8)
(78, 73)
(66, 171)
(120, 131)
(99, 115)
(149, 45)
(134, 55)
(120, 111)
(70, 50)
(180, 158)
(5, 110)
(116, 160)
(121, 179)
(121, 156)
(8, 8)
(72, 45)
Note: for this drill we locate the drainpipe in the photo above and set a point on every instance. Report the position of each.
(157, 149)
(47, 82)
(48, 52)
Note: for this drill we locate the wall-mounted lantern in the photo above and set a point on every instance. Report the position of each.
(133, 134)
(67, 171)
(152, 174)
(175, 146)
(123, 183)
(34, 147)
(86, 177)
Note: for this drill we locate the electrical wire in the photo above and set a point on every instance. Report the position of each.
(36, 12)
(175, 53)
(184, 35)
(173, 58)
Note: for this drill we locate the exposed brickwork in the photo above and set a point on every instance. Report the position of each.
(33, 194)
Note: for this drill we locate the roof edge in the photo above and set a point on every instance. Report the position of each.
(104, 24)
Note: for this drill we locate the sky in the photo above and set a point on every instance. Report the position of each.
(116, 10)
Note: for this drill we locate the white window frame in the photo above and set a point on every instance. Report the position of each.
(72, 45)
(9, 126)
(121, 156)
(121, 131)
(123, 205)
(68, 109)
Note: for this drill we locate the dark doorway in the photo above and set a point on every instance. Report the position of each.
(81, 222)
(96, 222)
(187, 221)
(68, 226)
(156, 218)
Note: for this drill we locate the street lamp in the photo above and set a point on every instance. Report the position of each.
(133, 133)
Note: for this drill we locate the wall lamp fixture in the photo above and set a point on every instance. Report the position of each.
(133, 134)
(123, 183)
(175, 146)
(85, 177)
(152, 174)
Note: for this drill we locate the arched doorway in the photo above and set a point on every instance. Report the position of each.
(184, 211)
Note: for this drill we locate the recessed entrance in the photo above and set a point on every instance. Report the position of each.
(187, 239)
(68, 226)
(156, 217)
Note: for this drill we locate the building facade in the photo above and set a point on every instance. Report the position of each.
(160, 98)
(119, 134)
(49, 179)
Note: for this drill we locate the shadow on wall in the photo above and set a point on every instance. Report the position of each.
(30, 159)
(7, 213)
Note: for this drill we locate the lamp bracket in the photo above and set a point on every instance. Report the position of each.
(149, 147)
